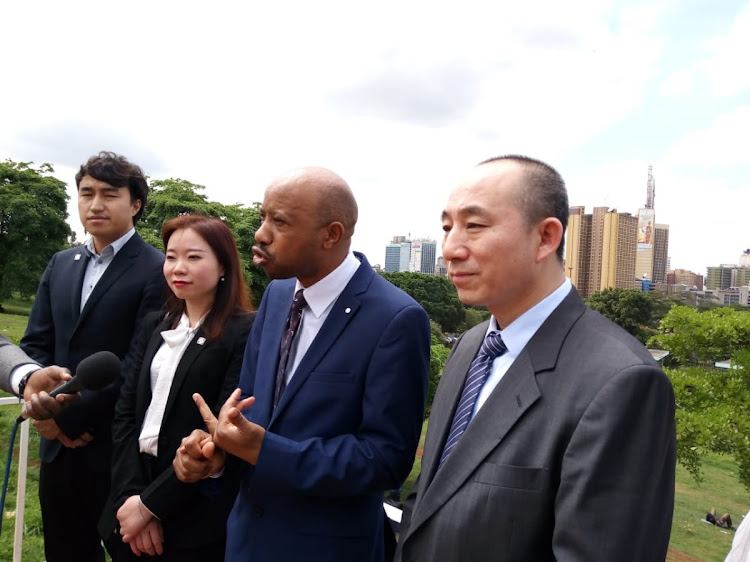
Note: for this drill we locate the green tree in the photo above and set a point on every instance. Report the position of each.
(434, 293)
(702, 338)
(438, 356)
(713, 414)
(634, 310)
(33, 213)
(172, 197)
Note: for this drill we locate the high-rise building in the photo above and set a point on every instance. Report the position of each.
(719, 278)
(661, 250)
(745, 258)
(440, 267)
(429, 249)
(397, 256)
(600, 249)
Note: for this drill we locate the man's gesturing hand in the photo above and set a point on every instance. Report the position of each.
(232, 431)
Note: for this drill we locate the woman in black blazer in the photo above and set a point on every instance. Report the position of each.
(196, 346)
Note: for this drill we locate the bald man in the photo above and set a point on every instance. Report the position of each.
(333, 388)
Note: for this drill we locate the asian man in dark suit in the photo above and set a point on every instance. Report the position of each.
(336, 366)
(90, 299)
(552, 432)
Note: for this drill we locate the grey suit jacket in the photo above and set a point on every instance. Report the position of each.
(571, 457)
(11, 356)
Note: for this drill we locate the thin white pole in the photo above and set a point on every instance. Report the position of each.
(23, 461)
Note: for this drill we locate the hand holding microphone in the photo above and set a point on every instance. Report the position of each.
(94, 373)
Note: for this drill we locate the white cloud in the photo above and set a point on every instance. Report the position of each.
(680, 82)
(726, 66)
(724, 143)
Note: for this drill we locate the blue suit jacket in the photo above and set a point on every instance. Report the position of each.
(346, 427)
(60, 333)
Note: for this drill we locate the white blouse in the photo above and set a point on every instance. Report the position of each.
(163, 368)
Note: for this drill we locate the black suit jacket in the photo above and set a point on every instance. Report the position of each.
(191, 514)
(571, 458)
(60, 333)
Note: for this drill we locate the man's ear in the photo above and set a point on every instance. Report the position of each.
(136, 206)
(334, 233)
(550, 232)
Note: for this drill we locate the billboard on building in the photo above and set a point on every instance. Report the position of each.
(645, 229)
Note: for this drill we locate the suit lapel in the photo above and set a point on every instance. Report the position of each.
(143, 394)
(280, 295)
(192, 352)
(516, 392)
(513, 395)
(79, 271)
(344, 309)
(120, 264)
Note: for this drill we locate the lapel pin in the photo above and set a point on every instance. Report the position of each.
(201, 340)
(77, 257)
(348, 310)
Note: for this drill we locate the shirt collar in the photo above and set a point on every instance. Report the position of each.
(518, 333)
(320, 295)
(115, 246)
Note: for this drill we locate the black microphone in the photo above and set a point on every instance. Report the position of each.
(93, 373)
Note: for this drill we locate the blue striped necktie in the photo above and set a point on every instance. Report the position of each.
(481, 367)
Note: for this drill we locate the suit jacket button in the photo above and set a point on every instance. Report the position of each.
(258, 511)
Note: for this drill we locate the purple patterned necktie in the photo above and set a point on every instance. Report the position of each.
(481, 367)
(292, 325)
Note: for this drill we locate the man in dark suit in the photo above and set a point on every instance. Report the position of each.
(551, 436)
(90, 299)
(337, 364)
(24, 377)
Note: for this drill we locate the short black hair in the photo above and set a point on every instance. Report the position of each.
(117, 171)
(544, 194)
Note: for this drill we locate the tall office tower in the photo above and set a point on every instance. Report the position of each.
(415, 259)
(600, 250)
(644, 261)
(745, 259)
(397, 256)
(392, 257)
(429, 249)
(661, 251)
(578, 248)
(719, 278)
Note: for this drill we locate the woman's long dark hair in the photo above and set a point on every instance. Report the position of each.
(232, 296)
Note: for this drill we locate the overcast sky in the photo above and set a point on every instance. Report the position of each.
(401, 99)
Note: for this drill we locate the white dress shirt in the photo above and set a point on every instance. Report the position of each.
(163, 368)
(320, 298)
(517, 334)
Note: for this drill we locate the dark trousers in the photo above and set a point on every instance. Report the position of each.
(72, 497)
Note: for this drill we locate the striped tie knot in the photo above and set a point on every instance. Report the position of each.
(492, 346)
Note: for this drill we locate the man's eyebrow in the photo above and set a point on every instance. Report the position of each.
(468, 211)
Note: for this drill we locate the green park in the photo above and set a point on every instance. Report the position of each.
(713, 403)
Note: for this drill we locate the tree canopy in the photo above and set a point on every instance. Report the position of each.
(702, 338)
(33, 213)
(636, 311)
(434, 293)
(172, 197)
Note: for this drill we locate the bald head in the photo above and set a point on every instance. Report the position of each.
(307, 221)
(324, 191)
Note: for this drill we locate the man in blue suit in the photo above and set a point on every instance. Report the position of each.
(337, 390)
(90, 299)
